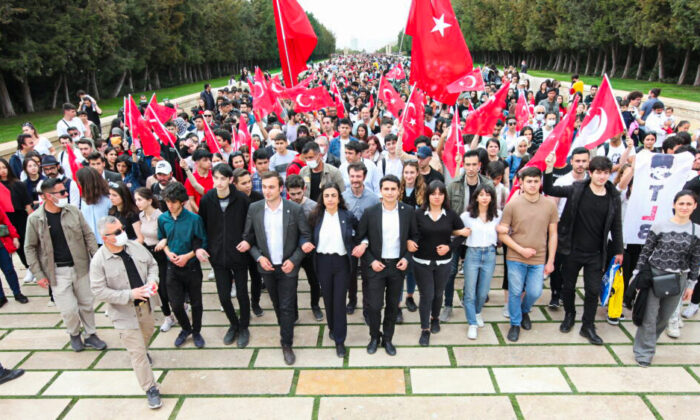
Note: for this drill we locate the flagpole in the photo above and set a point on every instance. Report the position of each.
(408, 101)
(284, 41)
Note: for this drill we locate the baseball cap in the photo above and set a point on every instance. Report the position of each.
(163, 167)
(424, 152)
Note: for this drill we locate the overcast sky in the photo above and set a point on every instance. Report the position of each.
(374, 23)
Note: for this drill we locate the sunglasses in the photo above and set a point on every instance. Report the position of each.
(512, 123)
(208, 115)
(540, 113)
(62, 192)
(115, 233)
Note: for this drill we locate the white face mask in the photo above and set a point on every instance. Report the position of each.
(551, 123)
(121, 239)
(312, 164)
(62, 202)
(434, 143)
(539, 117)
(323, 150)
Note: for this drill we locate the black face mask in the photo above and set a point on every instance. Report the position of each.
(184, 152)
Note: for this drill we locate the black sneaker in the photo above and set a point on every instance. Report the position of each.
(424, 339)
(198, 340)
(514, 333)
(434, 325)
(526, 323)
(10, 374)
(3, 301)
(95, 342)
(257, 310)
(399, 317)
(350, 309)
(243, 338)
(153, 396)
(180, 340)
(411, 304)
(76, 343)
(613, 321)
(230, 335)
(554, 303)
(317, 313)
(21, 298)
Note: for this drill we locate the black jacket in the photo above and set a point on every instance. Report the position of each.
(224, 230)
(694, 186)
(637, 294)
(371, 229)
(348, 226)
(573, 194)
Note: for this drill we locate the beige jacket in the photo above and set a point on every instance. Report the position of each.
(110, 283)
(330, 174)
(39, 248)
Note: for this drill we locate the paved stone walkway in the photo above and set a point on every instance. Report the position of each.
(545, 375)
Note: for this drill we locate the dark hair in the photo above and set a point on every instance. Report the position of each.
(390, 137)
(634, 95)
(11, 176)
(683, 137)
(201, 154)
(493, 140)
(345, 121)
(175, 192)
(83, 140)
(311, 146)
(22, 140)
(600, 163)
(29, 158)
(418, 188)
(686, 148)
(656, 92)
(49, 183)
(669, 143)
(294, 181)
(658, 105)
(389, 178)
(95, 156)
(495, 169)
(300, 142)
(421, 139)
(357, 166)
(530, 171)
(471, 153)
(126, 159)
(682, 193)
(225, 135)
(473, 207)
(364, 126)
(580, 151)
(317, 212)
(93, 186)
(272, 174)
(68, 106)
(260, 154)
(354, 146)
(129, 209)
(223, 169)
(147, 194)
(237, 173)
(435, 185)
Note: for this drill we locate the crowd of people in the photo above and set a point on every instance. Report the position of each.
(339, 197)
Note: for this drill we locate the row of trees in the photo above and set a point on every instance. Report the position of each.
(49, 48)
(644, 39)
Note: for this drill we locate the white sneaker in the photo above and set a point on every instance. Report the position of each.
(28, 278)
(690, 310)
(233, 290)
(506, 312)
(479, 321)
(673, 330)
(51, 304)
(445, 314)
(472, 332)
(211, 275)
(168, 323)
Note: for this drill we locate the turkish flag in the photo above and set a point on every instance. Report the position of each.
(140, 128)
(483, 119)
(413, 120)
(396, 73)
(296, 39)
(522, 113)
(263, 102)
(165, 136)
(210, 138)
(472, 81)
(244, 137)
(164, 113)
(603, 119)
(313, 99)
(339, 105)
(452, 149)
(439, 54)
(390, 97)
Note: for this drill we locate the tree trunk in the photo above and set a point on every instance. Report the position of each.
(660, 61)
(118, 88)
(95, 92)
(5, 101)
(65, 88)
(56, 88)
(550, 62)
(613, 56)
(145, 78)
(697, 77)
(578, 62)
(571, 63)
(588, 62)
(131, 82)
(684, 71)
(27, 94)
(605, 63)
(156, 80)
(560, 59)
(628, 63)
(640, 67)
(597, 64)
(652, 74)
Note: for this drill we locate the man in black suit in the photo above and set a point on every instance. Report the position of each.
(97, 162)
(278, 236)
(386, 229)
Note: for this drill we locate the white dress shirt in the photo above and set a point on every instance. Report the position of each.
(483, 234)
(330, 237)
(391, 233)
(274, 232)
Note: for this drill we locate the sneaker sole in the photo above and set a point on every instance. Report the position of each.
(154, 407)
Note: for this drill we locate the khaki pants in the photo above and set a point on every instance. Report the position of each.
(136, 343)
(74, 299)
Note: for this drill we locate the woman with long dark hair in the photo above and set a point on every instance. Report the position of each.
(22, 204)
(411, 192)
(481, 218)
(333, 235)
(124, 209)
(440, 230)
(95, 202)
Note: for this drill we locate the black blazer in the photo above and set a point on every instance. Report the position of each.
(332, 160)
(224, 229)
(295, 231)
(348, 227)
(371, 229)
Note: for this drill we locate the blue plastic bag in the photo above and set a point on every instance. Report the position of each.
(607, 281)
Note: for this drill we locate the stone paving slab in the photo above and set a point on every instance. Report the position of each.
(9, 359)
(28, 384)
(451, 381)
(182, 359)
(548, 333)
(37, 339)
(632, 379)
(566, 407)
(247, 408)
(304, 336)
(346, 382)
(34, 409)
(676, 406)
(409, 356)
(532, 355)
(29, 320)
(119, 408)
(66, 359)
(304, 358)
(242, 382)
(530, 379)
(401, 408)
(666, 354)
(104, 383)
(408, 335)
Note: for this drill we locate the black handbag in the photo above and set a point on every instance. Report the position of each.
(665, 284)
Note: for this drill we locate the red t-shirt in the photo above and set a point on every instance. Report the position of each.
(206, 182)
(295, 167)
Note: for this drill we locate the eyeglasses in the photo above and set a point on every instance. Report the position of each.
(208, 115)
(512, 123)
(62, 192)
(115, 233)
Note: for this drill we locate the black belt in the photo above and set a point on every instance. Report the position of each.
(389, 260)
(64, 264)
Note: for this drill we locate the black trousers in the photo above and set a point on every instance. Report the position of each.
(431, 280)
(283, 293)
(384, 286)
(308, 265)
(255, 282)
(224, 279)
(629, 263)
(592, 272)
(358, 267)
(162, 261)
(333, 272)
(182, 282)
(556, 279)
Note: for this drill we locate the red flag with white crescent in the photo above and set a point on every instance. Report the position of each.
(472, 81)
(391, 98)
(603, 120)
(413, 120)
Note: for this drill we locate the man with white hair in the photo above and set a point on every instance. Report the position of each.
(538, 122)
(125, 275)
(328, 158)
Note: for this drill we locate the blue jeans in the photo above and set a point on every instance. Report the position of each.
(478, 270)
(9, 271)
(521, 277)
